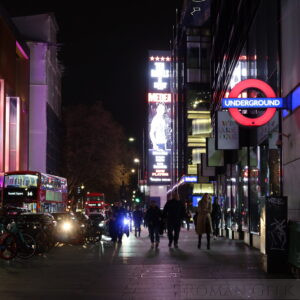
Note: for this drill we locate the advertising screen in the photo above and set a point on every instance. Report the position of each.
(159, 118)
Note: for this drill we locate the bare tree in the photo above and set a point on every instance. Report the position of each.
(95, 151)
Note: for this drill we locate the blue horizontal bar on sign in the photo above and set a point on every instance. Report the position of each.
(253, 103)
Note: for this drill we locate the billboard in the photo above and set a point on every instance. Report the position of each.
(159, 118)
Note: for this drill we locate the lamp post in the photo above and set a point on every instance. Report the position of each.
(137, 161)
(82, 187)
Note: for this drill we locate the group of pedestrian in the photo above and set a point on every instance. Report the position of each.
(206, 219)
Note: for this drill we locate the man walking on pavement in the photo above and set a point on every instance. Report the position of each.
(137, 216)
(174, 213)
(153, 219)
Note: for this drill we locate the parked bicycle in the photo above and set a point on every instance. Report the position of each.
(26, 244)
(16, 243)
(8, 244)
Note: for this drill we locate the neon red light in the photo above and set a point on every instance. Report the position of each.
(159, 98)
(260, 85)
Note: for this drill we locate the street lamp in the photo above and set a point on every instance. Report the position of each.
(82, 187)
(131, 139)
(132, 170)
(137, 161)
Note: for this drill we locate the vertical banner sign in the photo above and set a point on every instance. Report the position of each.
(276, 225)
(159, 118)
(227, 136)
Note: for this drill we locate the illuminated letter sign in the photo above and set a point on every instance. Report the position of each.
(160, 72)
(159, 97)
(159, 118)
(257, 84)
(252, 102)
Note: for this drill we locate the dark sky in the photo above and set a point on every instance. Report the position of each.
(104, 50)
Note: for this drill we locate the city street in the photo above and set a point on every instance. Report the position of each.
(129, 271)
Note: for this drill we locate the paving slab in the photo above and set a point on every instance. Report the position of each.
(133, 270)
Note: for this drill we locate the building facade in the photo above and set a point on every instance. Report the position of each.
(191, 100)
(14, 97)
(216, 45)
(45, 129)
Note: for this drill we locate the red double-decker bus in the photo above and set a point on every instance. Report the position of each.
(35, 191)
(95, 203)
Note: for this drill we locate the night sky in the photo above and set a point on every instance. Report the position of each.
(104, 50)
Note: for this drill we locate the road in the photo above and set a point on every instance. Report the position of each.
(130, 271)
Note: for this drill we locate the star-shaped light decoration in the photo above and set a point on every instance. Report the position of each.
(168, 58)
(157, 58)
(162, 58)
(152, 58)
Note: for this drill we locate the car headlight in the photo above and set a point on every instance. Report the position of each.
(101, 224)
(126, 221)
(66, 226)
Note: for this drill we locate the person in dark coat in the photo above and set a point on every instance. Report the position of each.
(118, 215)
(187, 216)
(153, 220)
(216, 215)
(174, 213)
(137, 216)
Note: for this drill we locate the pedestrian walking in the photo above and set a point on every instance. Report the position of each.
(204, 224)
(174, 214)
(153, 220)
(137, 216)
(118, 218)
(187, 215)
(216, 215)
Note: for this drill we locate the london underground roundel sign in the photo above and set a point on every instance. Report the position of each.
(257, 84)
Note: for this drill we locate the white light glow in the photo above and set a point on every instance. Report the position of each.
(160, 72)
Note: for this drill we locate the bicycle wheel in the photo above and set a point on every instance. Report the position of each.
(8, 247)
(27, 248)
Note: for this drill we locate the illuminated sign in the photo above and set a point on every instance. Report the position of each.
(15, 193)
(254, 84)
(159, 97)
(188, 179)
(20, 193)
(160, 72)
(159, 118)
(252, 102)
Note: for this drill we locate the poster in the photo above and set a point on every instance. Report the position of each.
(159, 118)
(227, 132)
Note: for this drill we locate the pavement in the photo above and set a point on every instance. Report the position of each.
(133, 270)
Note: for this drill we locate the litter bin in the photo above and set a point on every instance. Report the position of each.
(294, 244)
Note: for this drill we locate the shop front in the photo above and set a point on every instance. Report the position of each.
(251, 173)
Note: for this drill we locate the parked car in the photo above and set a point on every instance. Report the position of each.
(69, 229)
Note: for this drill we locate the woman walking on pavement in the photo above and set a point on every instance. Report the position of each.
(204, 224)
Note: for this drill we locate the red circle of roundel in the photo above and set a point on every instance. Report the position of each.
(260, 85)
